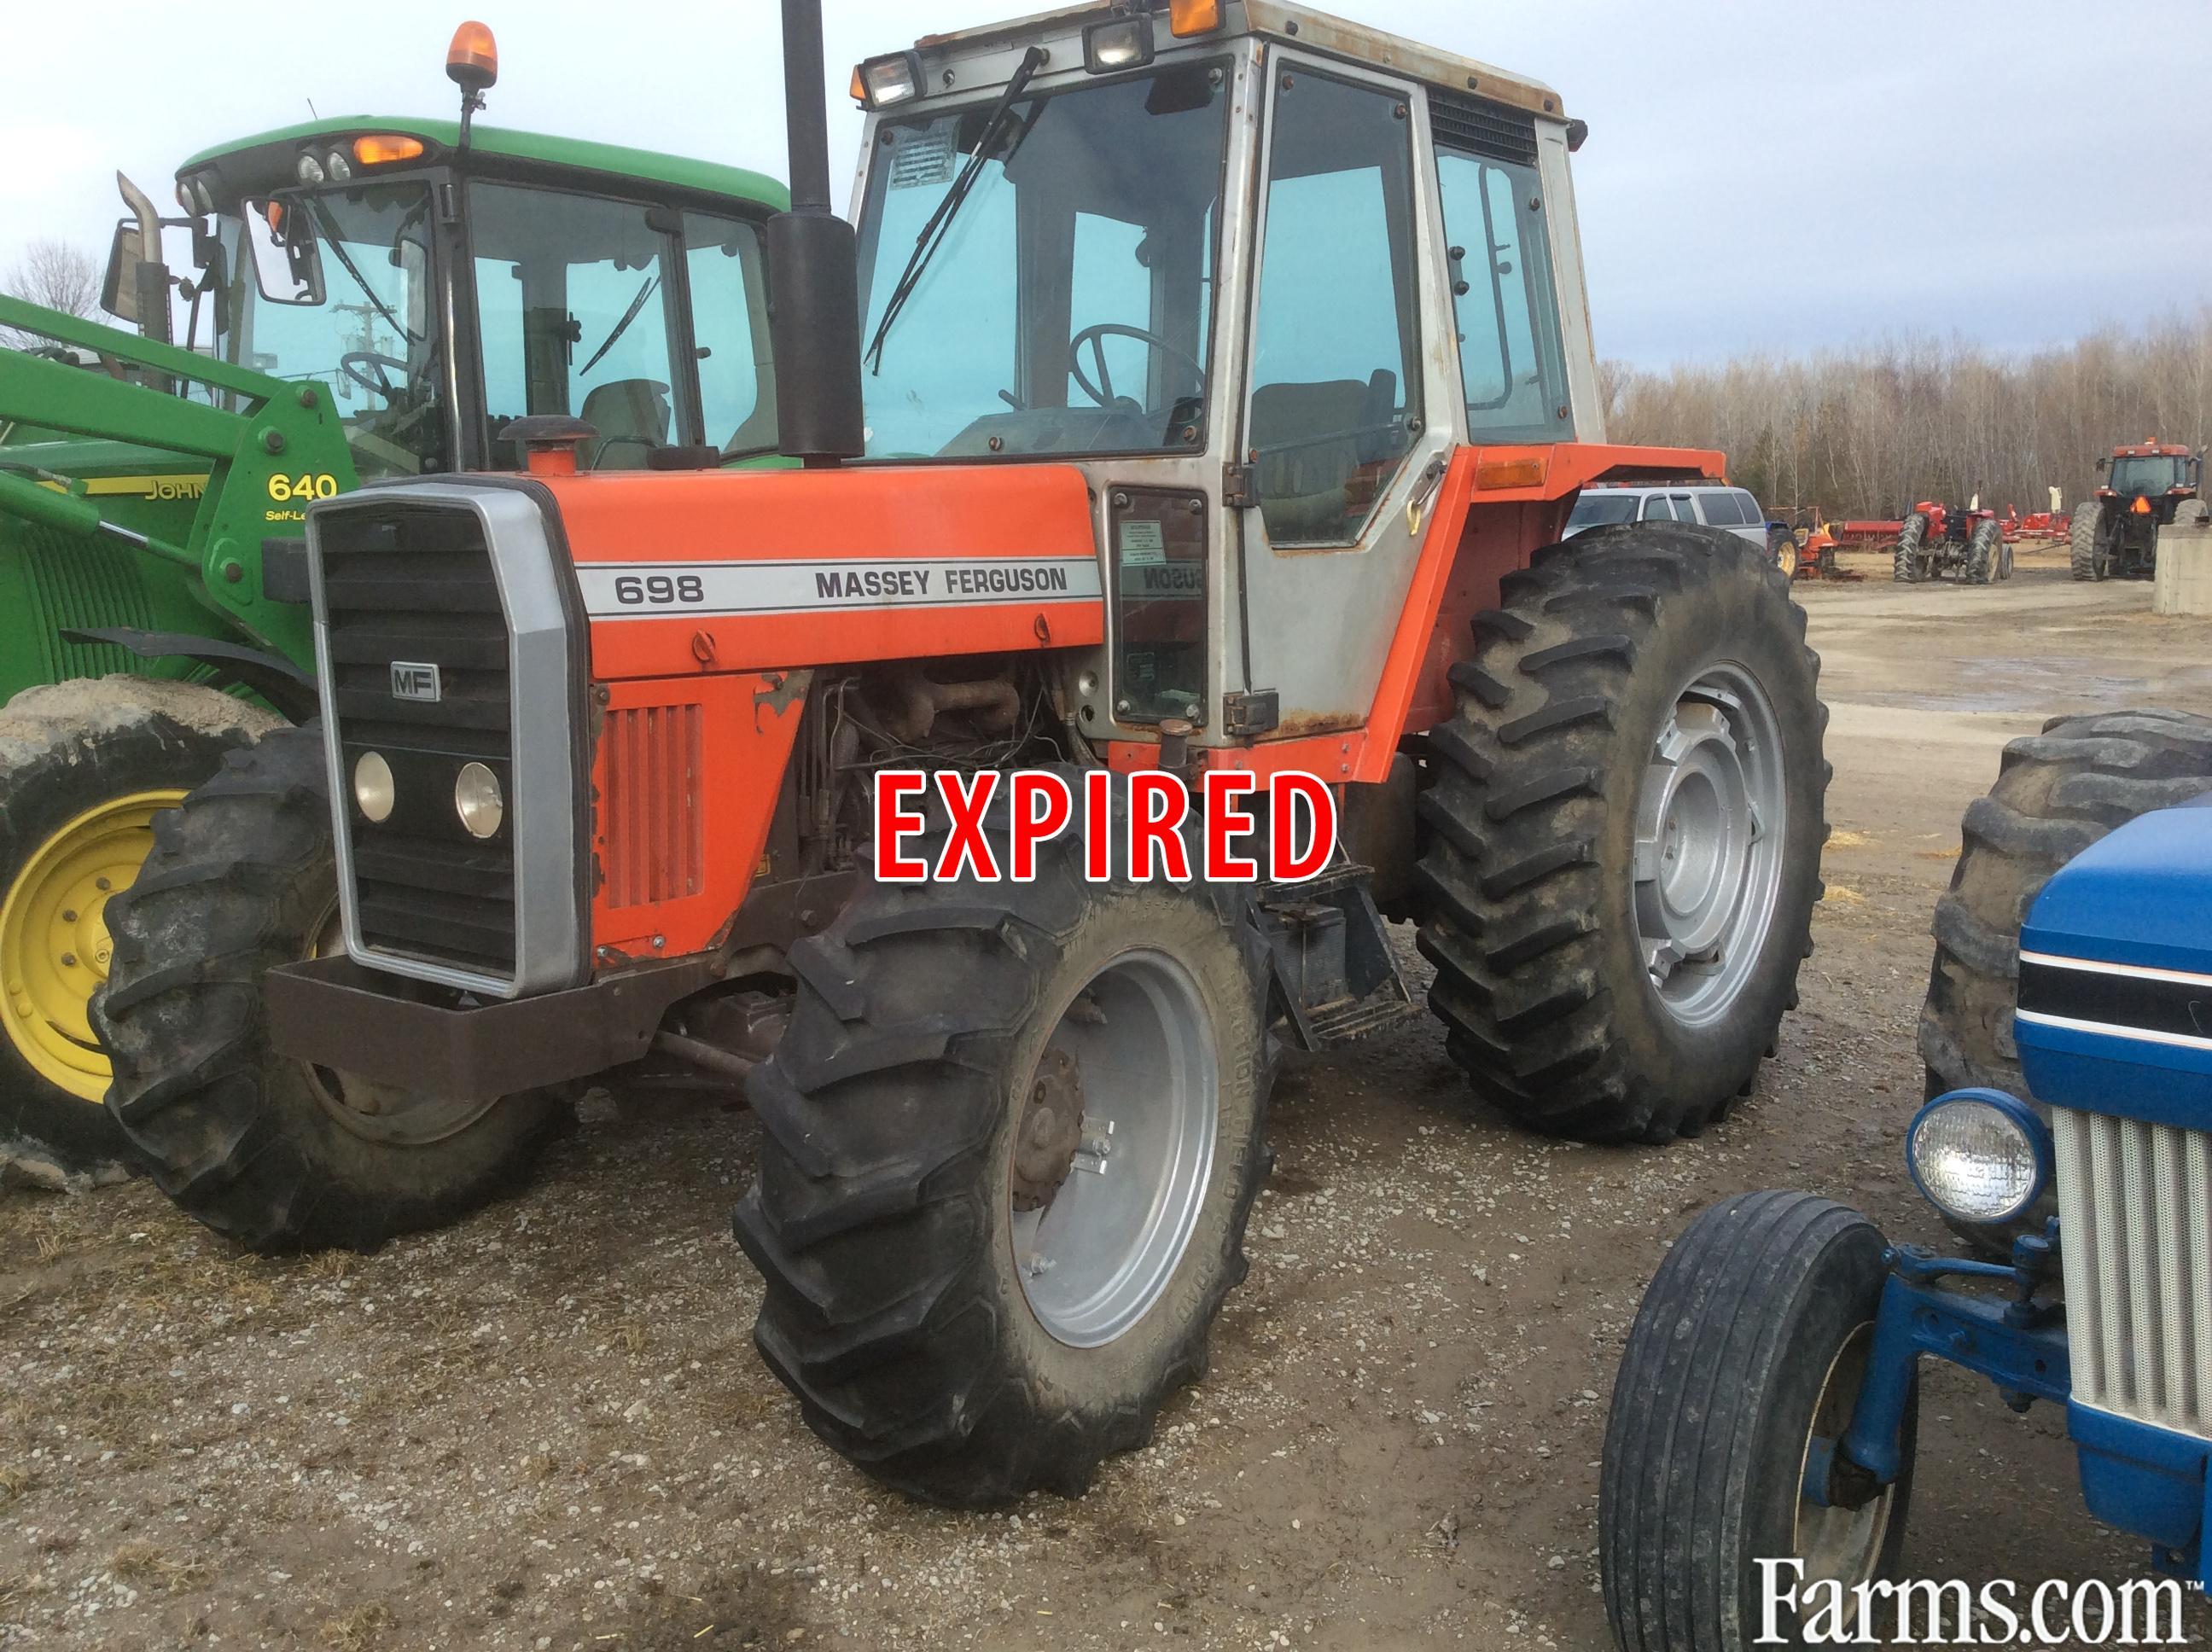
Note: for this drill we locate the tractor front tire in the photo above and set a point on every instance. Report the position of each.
(2057, 792)
(2089, 557)
(1625, 828)
(1984, 548)
(1008, 1146)
(1908, 563)
(266, 1149)
(85, 767)
(1751, 1343)
(1782, 545)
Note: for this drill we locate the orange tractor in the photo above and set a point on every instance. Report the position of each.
(1201, 398)
(1965, 541)
(2115, 536)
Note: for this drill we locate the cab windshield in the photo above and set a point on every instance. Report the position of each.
(2146, 473)
(333, 287)
(1067, 309)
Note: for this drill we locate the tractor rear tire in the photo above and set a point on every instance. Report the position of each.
(1625, 825)
(276, 1154)
(1908, 564)
(1984, 544)
(2088, 559)
(2057, 792)
(1751, 1342)
(85, 767)
(949, 1294)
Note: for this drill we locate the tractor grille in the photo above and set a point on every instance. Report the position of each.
(1486, 129)
(649, 812)
(409, 586)
(2136, 1233)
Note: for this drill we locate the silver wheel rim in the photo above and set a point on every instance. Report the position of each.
(1102, 1246)
(1843, 1545)
(1711, 821)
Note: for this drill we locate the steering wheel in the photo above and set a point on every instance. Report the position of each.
(1095, 336)
(353, 364)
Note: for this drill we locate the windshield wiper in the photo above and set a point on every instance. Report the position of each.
(933, 231)
(337, 245)
(623, 325)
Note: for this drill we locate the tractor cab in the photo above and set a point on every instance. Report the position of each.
(1260, 274)
(438, 288)
(2152, 472)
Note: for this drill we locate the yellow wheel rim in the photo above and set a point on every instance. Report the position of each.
(54, 948)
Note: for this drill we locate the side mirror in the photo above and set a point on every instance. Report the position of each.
(288, 264)
(2103, 465)
(118, 288)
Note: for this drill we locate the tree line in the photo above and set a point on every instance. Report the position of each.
(1868, 431)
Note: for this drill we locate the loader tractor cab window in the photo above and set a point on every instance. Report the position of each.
(1336, 354)
(333, 287)
(1600, 510)
(1059, 302)
(580, 311)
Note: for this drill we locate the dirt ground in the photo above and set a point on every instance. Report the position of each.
(546, 1428)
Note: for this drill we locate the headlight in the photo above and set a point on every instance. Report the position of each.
(1118, 42)
(476, 797)
(203, 194)
(371, 785)
(894, 79)
(310, 170)
(1980, 1156)
(337, 166)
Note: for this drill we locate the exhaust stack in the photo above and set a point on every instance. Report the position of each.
(813, 278)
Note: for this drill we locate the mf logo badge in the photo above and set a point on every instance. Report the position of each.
(415, 680)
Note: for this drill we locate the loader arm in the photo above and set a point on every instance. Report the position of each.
(283, 445)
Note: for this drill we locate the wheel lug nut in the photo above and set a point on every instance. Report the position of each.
(68, 960)
(102, 884)
(69, 917)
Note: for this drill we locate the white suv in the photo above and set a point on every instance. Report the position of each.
(1728, 509)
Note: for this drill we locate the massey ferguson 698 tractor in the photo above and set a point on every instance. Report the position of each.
(1203, 393)
(369, 298)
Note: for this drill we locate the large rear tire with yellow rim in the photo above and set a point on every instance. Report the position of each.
(84, 767)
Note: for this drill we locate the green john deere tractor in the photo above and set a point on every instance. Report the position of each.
(368, 298)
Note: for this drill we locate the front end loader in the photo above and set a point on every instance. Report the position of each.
(1222, 387)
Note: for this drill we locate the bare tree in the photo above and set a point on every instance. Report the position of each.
(1870, 431)
(55, 274)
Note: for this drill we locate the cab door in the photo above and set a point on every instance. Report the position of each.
(1350, 399)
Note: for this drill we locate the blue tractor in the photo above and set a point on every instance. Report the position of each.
(1763, 1421)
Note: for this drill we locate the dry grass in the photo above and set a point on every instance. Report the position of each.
(50, 1246)
(630, 1339)
(146, 1566)
(358, 1630)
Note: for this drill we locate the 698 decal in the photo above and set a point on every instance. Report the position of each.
(659, 589)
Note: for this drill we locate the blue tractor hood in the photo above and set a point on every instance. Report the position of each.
(2116, 974)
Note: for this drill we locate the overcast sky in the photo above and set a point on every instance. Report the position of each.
(1778, 176)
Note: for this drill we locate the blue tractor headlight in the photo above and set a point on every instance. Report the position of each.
(1979, 1155)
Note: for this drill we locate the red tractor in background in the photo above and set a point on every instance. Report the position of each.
(2116, 535)
(1936, 539)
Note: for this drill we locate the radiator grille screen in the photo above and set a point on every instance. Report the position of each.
(650, 814)
(2135, 1231)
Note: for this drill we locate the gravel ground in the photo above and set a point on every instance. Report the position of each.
(546, 1428)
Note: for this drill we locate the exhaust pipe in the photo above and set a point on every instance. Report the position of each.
(150, 280)
(813, 275)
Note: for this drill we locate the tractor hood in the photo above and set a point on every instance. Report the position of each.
(2116, 974)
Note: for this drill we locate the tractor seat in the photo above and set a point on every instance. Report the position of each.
(1312, 438)
(631, 416)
